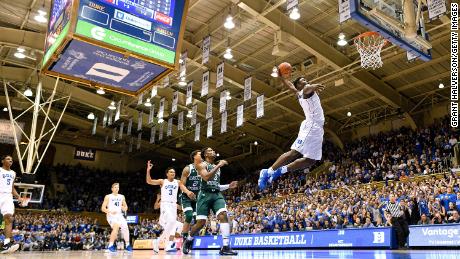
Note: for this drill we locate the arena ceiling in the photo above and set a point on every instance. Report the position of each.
(398, 88)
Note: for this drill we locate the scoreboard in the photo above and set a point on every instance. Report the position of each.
(121, 45)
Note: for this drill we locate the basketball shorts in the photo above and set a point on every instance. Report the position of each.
(6, 203)
(168, 213)
(187, 203)
(309, 142)
(209, 201)
(116, 219)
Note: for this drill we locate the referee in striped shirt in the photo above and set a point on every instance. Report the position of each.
(398, 219)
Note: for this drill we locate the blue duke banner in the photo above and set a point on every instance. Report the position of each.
(83, 153)
(435, 235)
(371, 237)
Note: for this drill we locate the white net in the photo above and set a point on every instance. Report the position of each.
(369, 46)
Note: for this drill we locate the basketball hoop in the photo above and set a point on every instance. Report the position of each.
(369, 46)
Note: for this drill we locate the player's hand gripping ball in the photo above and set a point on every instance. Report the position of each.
(285, 69)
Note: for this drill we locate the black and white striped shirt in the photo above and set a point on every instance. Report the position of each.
(394, 208)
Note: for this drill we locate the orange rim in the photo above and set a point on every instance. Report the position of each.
(371, 33)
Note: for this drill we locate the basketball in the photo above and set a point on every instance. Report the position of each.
(285, 69)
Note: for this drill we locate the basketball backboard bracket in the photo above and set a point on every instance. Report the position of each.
(396, 21)
(38, 106)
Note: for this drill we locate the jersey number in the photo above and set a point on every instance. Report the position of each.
(170, 192)
(117, 203)
(8, 181)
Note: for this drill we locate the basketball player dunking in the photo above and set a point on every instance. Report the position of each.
(210, 198)
(113, 206)
(7, 191)
(307, 148)
(168, 203)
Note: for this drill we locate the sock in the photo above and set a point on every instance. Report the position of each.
(225, 231)
(126, 244)
(270, 171)
(190, 238)
(185, 235)
(110, 244)
(7, 240)
(155, 244)
(284, 169)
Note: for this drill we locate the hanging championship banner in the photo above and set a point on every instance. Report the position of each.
(169, 132)
(260, 106)
(239, 115)
(175, 101)
(117, 113)
(151, 113)
(104, 120)
(140, 99)
(209, 108)
(197, 132)
(139, 138)
(130, 126)
(166, 82)
(183, 64)
(162, 108)
(206, 49)
(223, 101)
(154, 92)
(106, 140)
(188, 99)
(153, 131)
(109, 121)
(220, 75)
(209, 129)
(120, 133)
(194, 110)
(223, 122)
(180, 121)
(114, 135)
(344, 10)
(205, 84)
(247, 88)
(131, 140)
(160, 137)
(436, 8)
(93, 130)
(139, 120)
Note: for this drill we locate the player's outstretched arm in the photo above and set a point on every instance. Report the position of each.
(184, 189)
(308, 90)
(205, 175)
(104, 205)
(148, 178)
(124, 206)
(232, 185)
(289, 85)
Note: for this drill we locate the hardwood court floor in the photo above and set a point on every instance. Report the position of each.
(205, 254)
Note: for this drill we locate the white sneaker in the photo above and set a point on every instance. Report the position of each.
(171, 247)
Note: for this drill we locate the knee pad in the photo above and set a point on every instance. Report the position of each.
(188, 216)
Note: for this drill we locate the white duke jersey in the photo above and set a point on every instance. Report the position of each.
(312, 108)
(115, 202)
(169, 191)
(6, 180)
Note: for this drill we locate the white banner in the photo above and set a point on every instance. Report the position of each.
(93, 131)
(180, 121)
(154, 92)
(183, 64)
(206, 49)
(247, 88)
(436, 8)
(174, 102)
(223, 101)
(153, 131)
(139, 121)
(166, 82)
(7, 133)
(151, 113)
(131, 140)
(169, 131)
(194, 111)
(104, 120)
(160, 137)
(130, 126)
(260, 106)
(205, 84)
(209, 129)
(140, 99)
(117, 113)
(239, 115)
(209, 108)
(162, 108)
(197, 132)
(139, 138)
(220, 75)
(291, 4)
(114, 135)
(188, 99)
(344, 10)
(109, 119)
(120, 132)
(223, 122)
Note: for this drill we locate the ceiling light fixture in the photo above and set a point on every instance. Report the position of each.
(20, 53)
(112, 106)
(294, 15)
(342, 42)
(100, 91)
(189, 114)
(40, 17)
(91, 116)
(274, 72)
(441, 85)
(28, 92)
(349, 114)
(229, 24)
(5, 109)
(148, 103)
(228, 53)
(182, 81)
